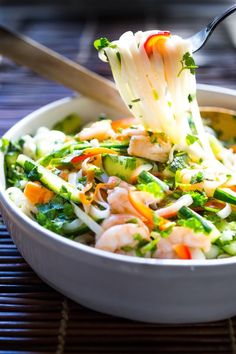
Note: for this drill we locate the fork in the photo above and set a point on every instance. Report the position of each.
(200, 38)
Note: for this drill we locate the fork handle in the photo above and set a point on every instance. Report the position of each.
(211, 26)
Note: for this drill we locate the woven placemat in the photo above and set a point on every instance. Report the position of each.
(33, 317)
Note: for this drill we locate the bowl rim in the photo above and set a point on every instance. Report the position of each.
(89, 250)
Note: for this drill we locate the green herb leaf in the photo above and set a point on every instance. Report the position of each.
(152, 188)
(118, 55)
(101, 43)
(64, 192)
(191, 139)
(34, 175)
(4, 144)
(188, 63)
(197, 178)
(199, 198)
(192, 223)
(55, 214)
(32, 171)
(179, 162)
(191, 97)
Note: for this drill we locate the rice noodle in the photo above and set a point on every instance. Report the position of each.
(139, 77)
(185, 200)
(225, 212)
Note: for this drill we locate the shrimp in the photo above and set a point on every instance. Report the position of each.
(99, 130)
(118, 219)
(184, 236)
(118, 199)
(136, 131)
(143, 147)
(118, 236)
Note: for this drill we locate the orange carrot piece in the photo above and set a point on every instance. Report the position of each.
(156, 40)
(182, 251)
(141, 207)
(37, 194)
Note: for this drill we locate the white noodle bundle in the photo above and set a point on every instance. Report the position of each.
(155, 89)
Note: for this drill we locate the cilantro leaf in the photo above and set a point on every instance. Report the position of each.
(179, 162)
(118, 55)
(54, 214)
(101, 43)
(152, 188)
(188, 63)
(65, 193)
(191, 139)
(33, 174)
(199, 198)
(197, 178)
(4, 144)
(191, 97)
(192, 223)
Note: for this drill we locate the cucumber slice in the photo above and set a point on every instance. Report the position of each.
(230, 248)
(213, 253)
(69, 125)
(115, 145)
(226, 195)
(36, 172)
(121, 166)
(208, 227)
(72, 147)
(146, 177)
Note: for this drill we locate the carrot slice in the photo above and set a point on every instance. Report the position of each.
(141, 207)
(37, 194)
(182, 251)
(158, 40)
(99, 150)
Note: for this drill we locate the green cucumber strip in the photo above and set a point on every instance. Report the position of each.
(225, 196)
(37, 172)
(213, 253)
(230, 248)
(60, 153)
(208, 227)
(121, 166)
(116, 145)
(69, 125)
(71, 147)
(146, 177)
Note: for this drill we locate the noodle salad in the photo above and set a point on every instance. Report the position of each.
(157, 184)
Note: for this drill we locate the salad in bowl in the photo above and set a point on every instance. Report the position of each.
(158, 184)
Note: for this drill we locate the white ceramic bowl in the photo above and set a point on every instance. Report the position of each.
(164, 291)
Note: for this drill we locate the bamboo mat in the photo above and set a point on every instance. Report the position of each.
(33, 317)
